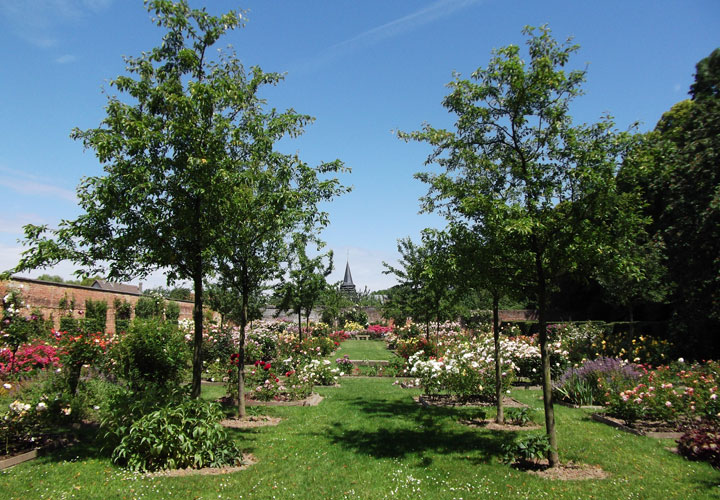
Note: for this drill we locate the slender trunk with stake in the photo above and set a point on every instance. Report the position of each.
(300, 326)
(500, 418)
(241, 356)
(553, 458)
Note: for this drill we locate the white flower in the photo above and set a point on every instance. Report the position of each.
(96, 407)
(67, 411)
(681, 360)
(41, 406)
(7, 386)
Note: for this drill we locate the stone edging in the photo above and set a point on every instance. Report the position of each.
(18, 459)
(604, 419)
(582, 407)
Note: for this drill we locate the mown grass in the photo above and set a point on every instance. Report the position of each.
(369, 440)
(363, 350)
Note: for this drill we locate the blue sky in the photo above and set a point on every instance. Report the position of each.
(363, 69)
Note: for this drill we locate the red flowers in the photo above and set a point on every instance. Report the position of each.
(235, 359)
(266, 366)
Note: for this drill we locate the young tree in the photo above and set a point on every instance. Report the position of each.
(427, 276)
(181, 155)
(517, 161)
(303, 285)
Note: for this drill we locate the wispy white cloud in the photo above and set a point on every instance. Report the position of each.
(35, 20)
(29, 184)
(66, 59)
(397, 27)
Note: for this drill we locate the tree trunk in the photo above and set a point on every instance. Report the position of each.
(197, 340)
(241, 356)
(632, 320)
(300, 326)
(552, 457)
(500, 418)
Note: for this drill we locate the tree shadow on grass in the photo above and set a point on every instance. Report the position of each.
(400, 429)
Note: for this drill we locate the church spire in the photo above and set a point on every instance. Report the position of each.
(347, 285)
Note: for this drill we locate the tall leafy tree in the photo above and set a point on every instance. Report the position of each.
(181, 152)
(515, 159)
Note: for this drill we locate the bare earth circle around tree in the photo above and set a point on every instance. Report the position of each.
(494, 426)
(247, 460)
(250, 421)
(564, 472)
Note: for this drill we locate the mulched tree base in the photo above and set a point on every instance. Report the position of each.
(247, 460)
(492, 425)
(250, 421)
(562, 472)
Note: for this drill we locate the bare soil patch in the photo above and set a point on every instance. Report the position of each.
(247, 460)
(450, 400)
(492, 425)
(563, 472)
(250, 421)
(313, 399)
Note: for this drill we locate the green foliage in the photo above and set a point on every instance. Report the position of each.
(353, 315)
(428, 279)
(527, 449)
(123, 312)
(95, 315)
(176, 436)
(152, 352)
(172, 312)
(304, 283)
(148, 307)
(519, 415)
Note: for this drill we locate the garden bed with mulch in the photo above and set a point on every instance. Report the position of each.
(247, 461)
(563, 472)
(654, 429)
(313, 399)
(250, 421)
(42, 444)
(452, 400)
(492, 425)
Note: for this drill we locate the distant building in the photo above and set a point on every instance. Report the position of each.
(117, 287)
(348, 287)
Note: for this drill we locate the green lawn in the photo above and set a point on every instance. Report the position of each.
(363, 350)
(369, 440)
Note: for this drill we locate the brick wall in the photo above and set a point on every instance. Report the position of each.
(46, 297)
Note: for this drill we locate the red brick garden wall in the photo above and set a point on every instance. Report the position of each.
(46, 297)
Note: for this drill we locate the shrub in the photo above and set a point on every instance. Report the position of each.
(123, 311)
(528, 449)
(181, 435)
(148, 307)
(172, 312)
(95, 315)
(701, 443)
(355, 315)
(151, 353)
(78, 348)
(519, 416)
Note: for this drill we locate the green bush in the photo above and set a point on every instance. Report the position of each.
(172, 312)
(176, 436)
(151, 353)
(95, 315)
(527, 449)
(69, 324)
(123, 311)
(148, 307)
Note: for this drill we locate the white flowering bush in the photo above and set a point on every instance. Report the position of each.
(465, 369)
(319, 372)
